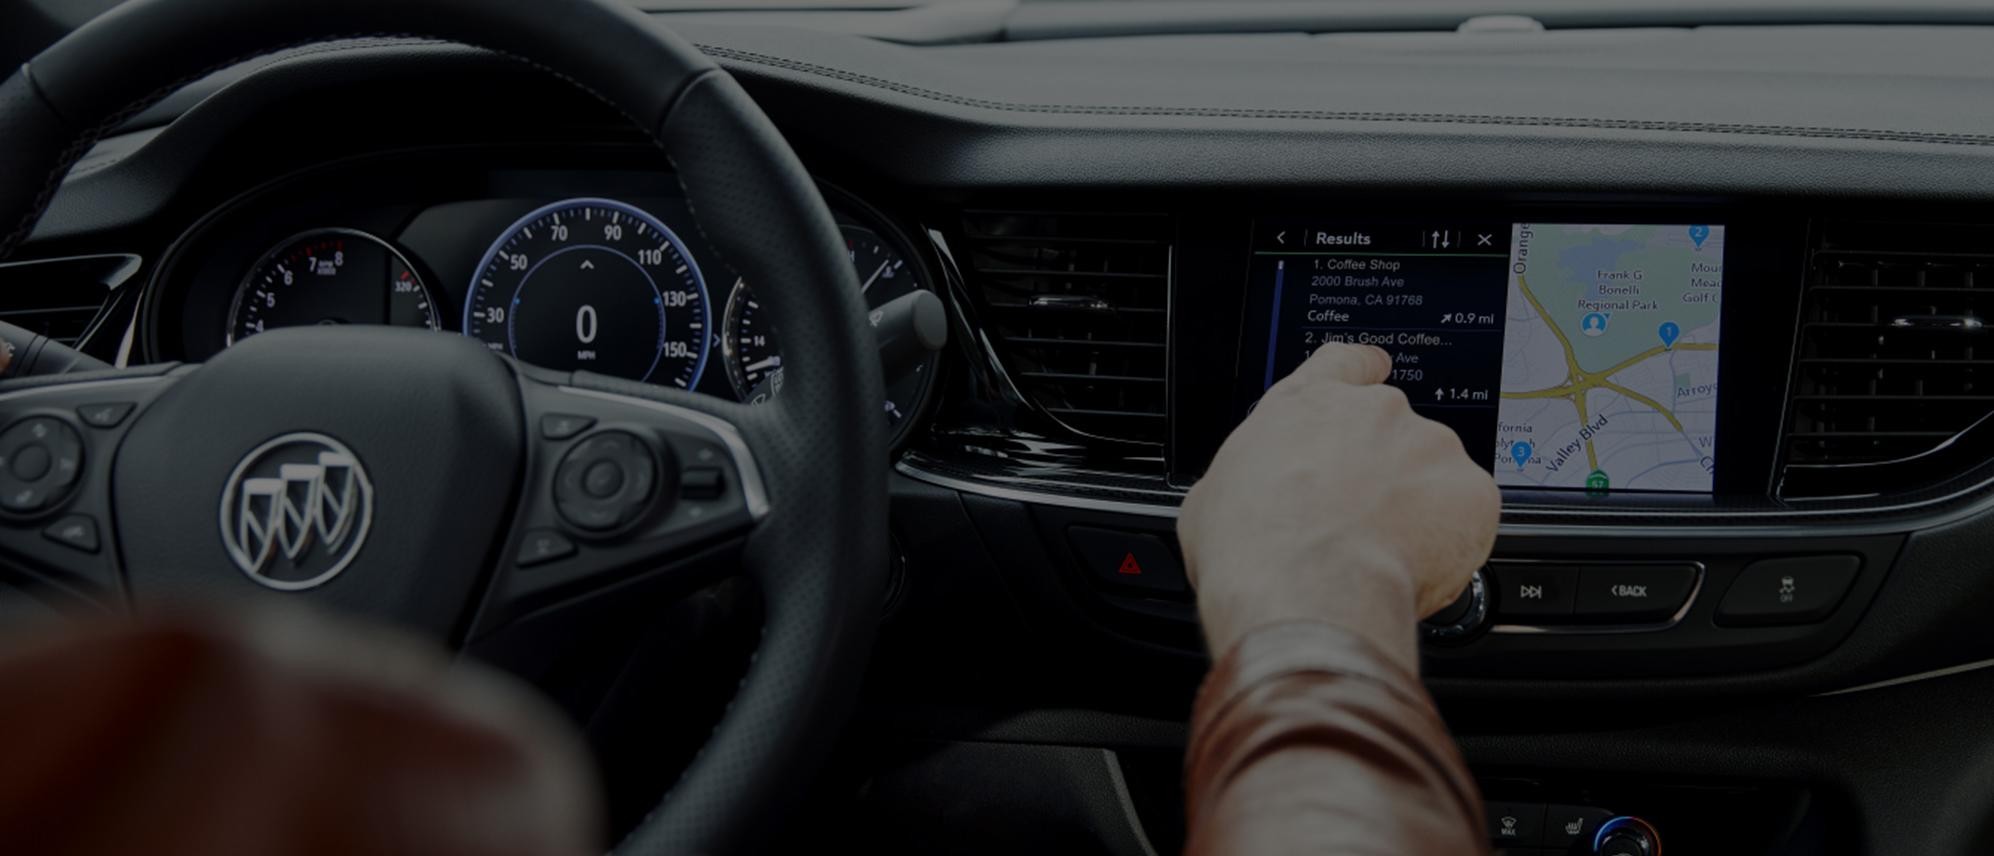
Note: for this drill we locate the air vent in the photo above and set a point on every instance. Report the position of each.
(1078, 304)
(1896, 350)
(61, 298)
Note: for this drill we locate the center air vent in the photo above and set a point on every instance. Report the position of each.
(1078, 304)
(1896, 354)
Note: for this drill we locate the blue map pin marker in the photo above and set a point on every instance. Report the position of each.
(1520, 452)
(1698, 233)
(1669, 333)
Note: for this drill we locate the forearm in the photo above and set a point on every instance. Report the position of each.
(1310, 737)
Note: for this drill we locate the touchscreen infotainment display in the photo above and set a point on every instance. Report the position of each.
(1567, 355)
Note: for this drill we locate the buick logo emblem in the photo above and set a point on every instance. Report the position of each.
(295, 511)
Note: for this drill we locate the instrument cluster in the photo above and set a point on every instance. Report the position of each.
(603, 271)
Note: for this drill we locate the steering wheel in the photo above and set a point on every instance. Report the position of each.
(419, 479)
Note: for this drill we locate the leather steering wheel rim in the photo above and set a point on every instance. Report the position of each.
(819, 557)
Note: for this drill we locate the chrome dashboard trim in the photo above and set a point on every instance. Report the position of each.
(1774, 525)
(1913, 678)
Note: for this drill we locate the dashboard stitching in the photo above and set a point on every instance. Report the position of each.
(1745, 129)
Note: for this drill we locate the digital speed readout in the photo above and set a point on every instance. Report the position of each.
(1579, 356)
(595, 285)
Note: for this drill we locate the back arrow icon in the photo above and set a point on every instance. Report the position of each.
(1281, 237)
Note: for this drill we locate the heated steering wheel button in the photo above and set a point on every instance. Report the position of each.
(76, 530)
(541, 546)
(104, 415)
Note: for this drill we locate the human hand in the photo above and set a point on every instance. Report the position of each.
(1333, 501)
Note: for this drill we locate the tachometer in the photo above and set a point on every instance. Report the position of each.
(593, 284)
(330, 276)
(754, 361)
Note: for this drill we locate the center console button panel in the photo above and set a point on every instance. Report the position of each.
(1635, 594)
(1793, 590)
(1558, 593)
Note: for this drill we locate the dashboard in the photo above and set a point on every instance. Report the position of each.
(600, 269)
(1719, 338)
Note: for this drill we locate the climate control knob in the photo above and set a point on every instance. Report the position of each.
(1627, 836)
(1461, 620)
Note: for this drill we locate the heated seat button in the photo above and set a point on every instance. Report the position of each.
(1566, 825)
(1129, 559)
(1794, 590)
(1633, 594)
(1534, 593)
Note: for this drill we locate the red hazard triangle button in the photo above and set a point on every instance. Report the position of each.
(1124, 561)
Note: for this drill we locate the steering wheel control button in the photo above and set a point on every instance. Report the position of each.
(1793, 590)
(1535, 593)
(700, 483)
(31, 463)
(561, 426)
(541, 546)
(40, 459)
(1643, 594)
(1135, 560)
(603, 479)
(77, 531)
(1516, 823)
(1566, 825)
(606, 481)
(107, 415)
(24, 499)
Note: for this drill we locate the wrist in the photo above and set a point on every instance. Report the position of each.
(1365, 595)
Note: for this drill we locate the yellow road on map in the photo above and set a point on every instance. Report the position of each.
(1578, 381)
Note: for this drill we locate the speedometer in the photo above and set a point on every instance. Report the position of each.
(597, 285)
